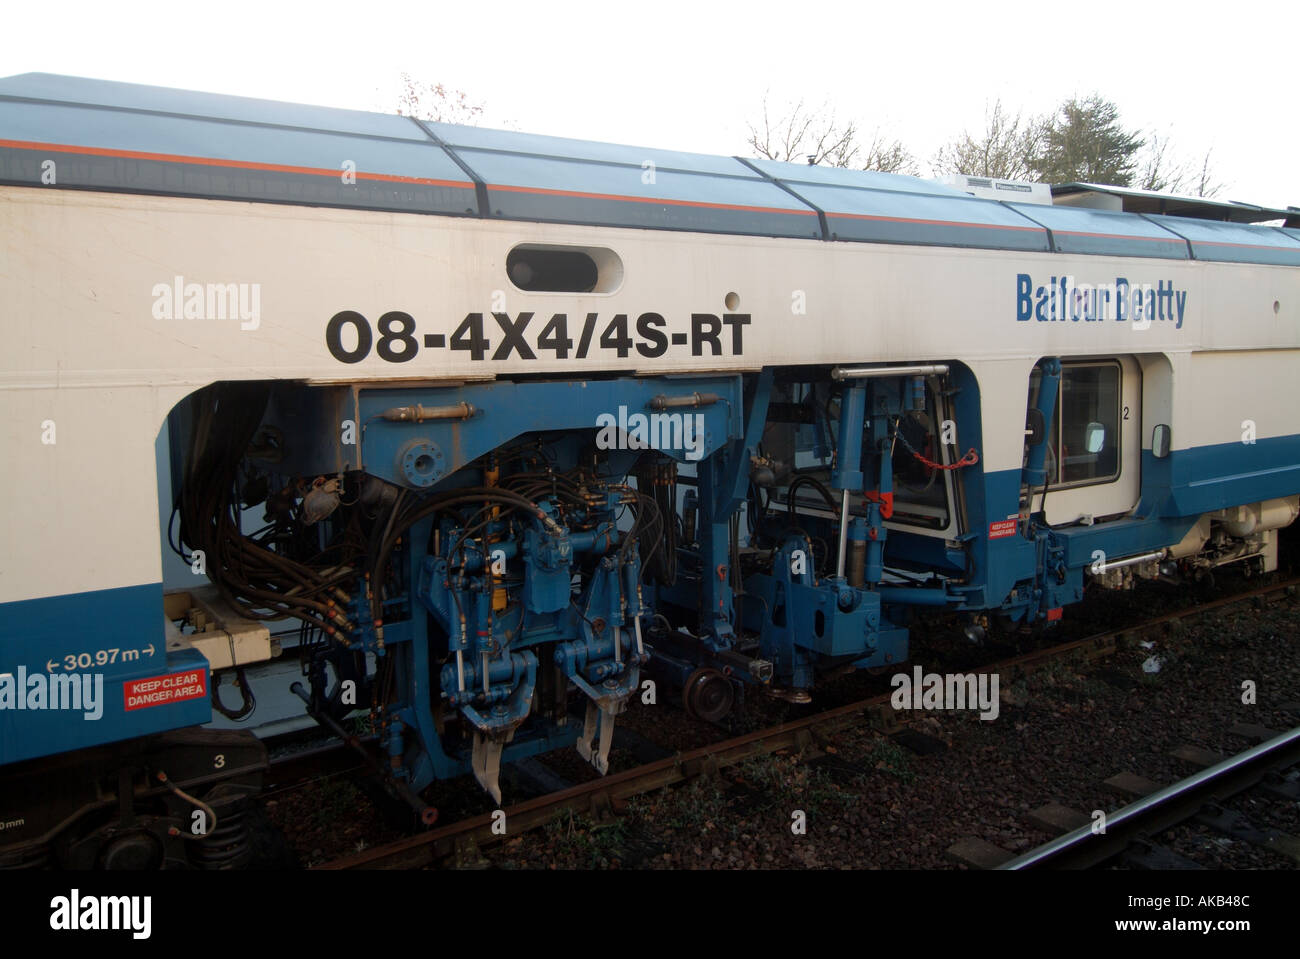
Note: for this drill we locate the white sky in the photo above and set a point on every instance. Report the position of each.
(688, 76)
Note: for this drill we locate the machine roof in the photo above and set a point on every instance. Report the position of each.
(125, 137)
(1171, 204)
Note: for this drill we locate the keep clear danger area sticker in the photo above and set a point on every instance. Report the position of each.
(1001, 528)
(165, 690)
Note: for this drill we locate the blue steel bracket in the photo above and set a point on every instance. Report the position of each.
(808, 623)
(506, 695)
(1059, 585)
(402, 444)
(1054, 584)
(723, 487)
(1035, 474)
(490, 685)
(605, 664)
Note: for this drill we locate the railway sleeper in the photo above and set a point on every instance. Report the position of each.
(1237, 825)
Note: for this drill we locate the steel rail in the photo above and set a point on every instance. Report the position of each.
(1150, 815)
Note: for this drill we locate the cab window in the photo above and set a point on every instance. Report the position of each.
(1084, 442)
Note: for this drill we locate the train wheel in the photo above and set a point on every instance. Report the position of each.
(708, 695)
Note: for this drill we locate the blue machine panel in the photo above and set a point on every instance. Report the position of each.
(1233, 242)
(113, 634)
(504, 410)
(1081, 230)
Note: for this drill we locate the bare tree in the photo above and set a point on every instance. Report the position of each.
(1159, 171)
(436, 102)
(803, 135)
(1005, 150)
(888, 156)
(1164, 172)
(800, 134)
(1204, 182)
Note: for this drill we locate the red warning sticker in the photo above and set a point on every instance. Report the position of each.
(1002, 527)
(165, 690)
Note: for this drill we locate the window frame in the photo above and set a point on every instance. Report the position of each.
(1059, 425)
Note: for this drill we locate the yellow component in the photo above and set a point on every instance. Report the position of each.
(490, 477)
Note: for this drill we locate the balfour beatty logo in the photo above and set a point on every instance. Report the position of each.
(1062, 299)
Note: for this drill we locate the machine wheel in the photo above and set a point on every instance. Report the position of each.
(708, 695)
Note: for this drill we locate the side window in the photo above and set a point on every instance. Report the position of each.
(1089, 423)
(1084, 440)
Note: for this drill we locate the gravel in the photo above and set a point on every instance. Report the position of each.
(1061, 731)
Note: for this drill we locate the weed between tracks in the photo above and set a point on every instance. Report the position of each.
(892, 758)
(728, 820)
(593, 845)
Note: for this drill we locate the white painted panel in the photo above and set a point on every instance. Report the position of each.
(82, 345)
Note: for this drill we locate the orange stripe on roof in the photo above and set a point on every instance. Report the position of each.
(908, 219)
(1161, 239)
(1250, 246)
(1120, 236)
(648, 199)
(236, 164)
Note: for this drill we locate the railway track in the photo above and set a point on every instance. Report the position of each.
(1128, 833)
(302, 768)
(460, 842)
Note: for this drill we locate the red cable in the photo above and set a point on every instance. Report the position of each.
(970, 459)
